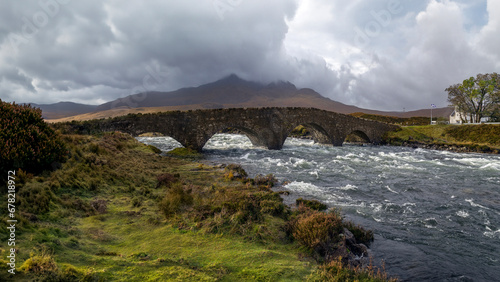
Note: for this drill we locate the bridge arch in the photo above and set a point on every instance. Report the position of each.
(357, 136)
(159, 132)
(251, 134)
(318, 133)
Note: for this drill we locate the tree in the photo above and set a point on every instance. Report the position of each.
(26, 140)
(476, 97)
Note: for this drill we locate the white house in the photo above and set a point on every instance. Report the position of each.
(456, 117)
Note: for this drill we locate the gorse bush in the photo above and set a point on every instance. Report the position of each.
(26, 141)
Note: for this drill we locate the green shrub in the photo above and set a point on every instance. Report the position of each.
(273, 208)
(249, 209)
(362, 235)
(235, 171)
(312, 204)
(26, 141)
(154, 149)
(300, 131)
(176, 200)
(317, 230)
(81, 207)
(35, 197)
(41, 264)
(70, 273)
(336, 271)
(268, 180)
(185, 153)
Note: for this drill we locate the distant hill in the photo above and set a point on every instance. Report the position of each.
(64, 109)
(232, 92)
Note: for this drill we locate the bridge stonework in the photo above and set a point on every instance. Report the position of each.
(265, 127)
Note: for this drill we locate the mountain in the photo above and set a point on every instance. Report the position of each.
(64, 109)
(233, 92)
(230, 90)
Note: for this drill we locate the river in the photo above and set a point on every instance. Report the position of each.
(435, 214)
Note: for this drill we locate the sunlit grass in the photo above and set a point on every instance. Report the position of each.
(482, 137)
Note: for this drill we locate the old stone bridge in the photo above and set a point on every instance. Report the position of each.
(266, 127)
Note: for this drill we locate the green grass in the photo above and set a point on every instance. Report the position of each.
(171, 253)
(185, 153)
(485, 137)
(103, 216)
(487, 134)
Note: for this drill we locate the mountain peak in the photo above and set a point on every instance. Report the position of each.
(280, 84)
(231, 79)
(235, 80)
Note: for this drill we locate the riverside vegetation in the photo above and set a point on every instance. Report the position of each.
(483, 138)
(114, 209)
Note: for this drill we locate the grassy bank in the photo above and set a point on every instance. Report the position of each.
(484, 138)
(116, 210)
(412, 121)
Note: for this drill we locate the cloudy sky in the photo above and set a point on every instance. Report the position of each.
(378, 54)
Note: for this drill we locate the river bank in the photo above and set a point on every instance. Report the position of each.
(117, 209)
(453, 138)
(457, 148)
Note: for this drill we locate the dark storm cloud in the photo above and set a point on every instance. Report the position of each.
(116, 45)
(384, 54)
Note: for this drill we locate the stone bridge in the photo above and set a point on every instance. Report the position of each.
(265, 127)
